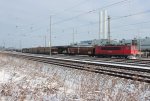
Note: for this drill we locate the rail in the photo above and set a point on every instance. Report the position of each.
(123, 70)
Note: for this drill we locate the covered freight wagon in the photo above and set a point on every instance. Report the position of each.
(81, 51)
(54, 50)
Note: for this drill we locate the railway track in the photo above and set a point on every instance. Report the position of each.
(128, 71)
(139, 62)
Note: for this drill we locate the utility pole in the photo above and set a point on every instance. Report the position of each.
(109, 30)
(99, 34)
(45, 40)
(50, 41)
(20, 43)
(101, 24)
(4, 44)
(139, 42)
(140, 45)
(73, 36)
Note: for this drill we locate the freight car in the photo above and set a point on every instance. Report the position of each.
(40, 50)
(81, 50)
(62, 49)
(54, 50)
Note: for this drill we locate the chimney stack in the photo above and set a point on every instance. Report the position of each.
(104, 24)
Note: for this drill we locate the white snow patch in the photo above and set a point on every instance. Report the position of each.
(37, 81)
(4, 76)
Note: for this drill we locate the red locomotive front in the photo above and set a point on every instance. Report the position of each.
(116, 50)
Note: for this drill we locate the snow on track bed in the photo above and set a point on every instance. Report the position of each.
(23, 80)
(138, 62)
(128, 64)
(136, 73)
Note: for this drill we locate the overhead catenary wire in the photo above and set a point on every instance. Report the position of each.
(134, 14)
(81, 14)
(84, 13)
(112, 18)
(132, 24)
(116, 18)
(88, 12)
(74, 6)
(66, 9)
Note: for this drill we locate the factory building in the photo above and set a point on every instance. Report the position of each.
(143, 44)
(96, 42)
(2, 48)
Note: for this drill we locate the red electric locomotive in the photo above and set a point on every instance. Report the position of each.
(117, 51)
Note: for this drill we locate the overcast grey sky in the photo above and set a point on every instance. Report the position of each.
(27, 21)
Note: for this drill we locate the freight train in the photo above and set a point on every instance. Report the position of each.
(124, 51)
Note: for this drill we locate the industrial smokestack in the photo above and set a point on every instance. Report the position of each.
(105, 24)
(101, 23)
(109, 40)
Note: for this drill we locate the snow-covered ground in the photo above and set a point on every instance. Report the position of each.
(23, 80)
